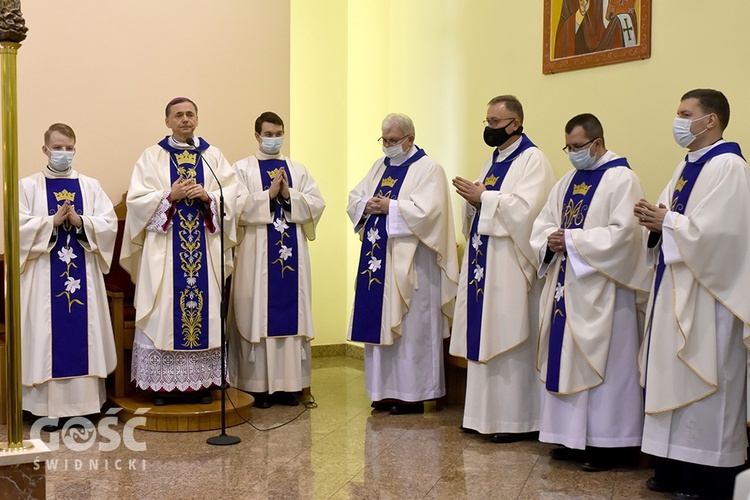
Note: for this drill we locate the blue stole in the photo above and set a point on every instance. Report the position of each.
(575, 207)
(283, 287)
(478, 259)
(190, 271)
(368, 297)
(680, 196)
(70, 319)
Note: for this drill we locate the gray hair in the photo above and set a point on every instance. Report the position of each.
(399, 120)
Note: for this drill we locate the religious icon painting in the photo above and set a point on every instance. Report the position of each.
(586, 33)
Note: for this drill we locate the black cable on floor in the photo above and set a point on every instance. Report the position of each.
(308, 405)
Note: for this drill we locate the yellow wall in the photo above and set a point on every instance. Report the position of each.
(318, 129)
(109, 68)
(440, 61)
(334, 68)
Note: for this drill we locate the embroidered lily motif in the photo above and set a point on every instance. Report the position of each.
(478, 273)
(66, 254)
(72, 284)
(476, 241)
(478, 276)
(285, 252)
(374, 264)
(373, 235)
(280, 225)
(559, 292)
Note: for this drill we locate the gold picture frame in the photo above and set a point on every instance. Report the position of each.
(586, 33)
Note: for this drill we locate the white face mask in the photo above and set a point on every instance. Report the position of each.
(582, 160)
(61, 160)
(681, 131)
(271, 145)
(394, 152)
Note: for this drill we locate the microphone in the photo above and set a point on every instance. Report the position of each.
(222, 439)
(191, 142)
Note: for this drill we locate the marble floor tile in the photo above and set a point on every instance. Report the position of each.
(341, 449)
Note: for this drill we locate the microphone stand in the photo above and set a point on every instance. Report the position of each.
(222, 439)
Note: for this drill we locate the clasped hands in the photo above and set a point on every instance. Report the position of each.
(377, 205)
(67, 213)
(188, 188)
(469, 191)
(556, 241)
(280, 184)
(650, 216)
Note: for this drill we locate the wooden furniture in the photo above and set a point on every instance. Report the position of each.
(455, 378)
(120, 295)
(123, 393)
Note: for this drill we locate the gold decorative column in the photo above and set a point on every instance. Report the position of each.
(12, 33)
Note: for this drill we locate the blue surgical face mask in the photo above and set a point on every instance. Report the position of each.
(682, 133)
(271, 145)
(60, 160)
(582, 160)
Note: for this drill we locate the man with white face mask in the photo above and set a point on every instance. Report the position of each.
(67, 237)
(407, 273)
(590, 249)
(495, 323)
(693, 358)
(270, 321)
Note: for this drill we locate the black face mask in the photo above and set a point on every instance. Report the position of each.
(495, 137)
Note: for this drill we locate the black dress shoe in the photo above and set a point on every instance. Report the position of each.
(406, 408)
(262, 400)
(50, 428)
(285, 399)
(159, 401)
(207, 399)
(514, 437)
(565, 453)
(598, 466)
(466, 430)
(382, 405)
(262, 403)
(654, 485)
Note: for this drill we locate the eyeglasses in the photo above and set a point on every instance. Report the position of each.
(568, 148)
(391, 142)
(495, 122)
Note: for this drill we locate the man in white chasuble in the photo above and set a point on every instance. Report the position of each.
(494, 325)
(66, 241)
(172, 250)
(278, 208)
(407, 273)
(589, 247)
(693, 358)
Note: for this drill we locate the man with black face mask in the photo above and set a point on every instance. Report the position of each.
(495, 320)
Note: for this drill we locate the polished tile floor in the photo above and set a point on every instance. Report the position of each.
(339, 450)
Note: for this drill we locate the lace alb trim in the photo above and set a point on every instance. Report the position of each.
(214, 208)
(159, 219)
(159, 370)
